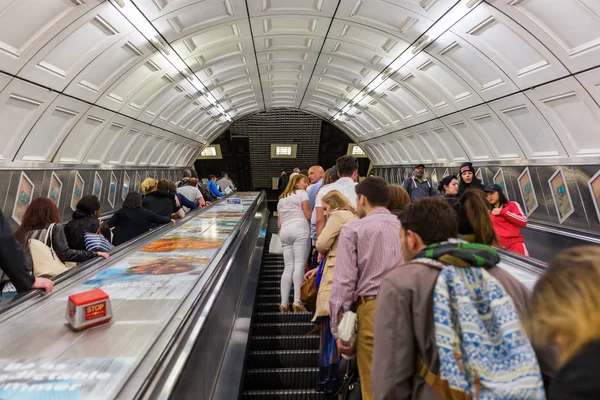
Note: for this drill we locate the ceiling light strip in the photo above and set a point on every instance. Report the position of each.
(451, 17)
(145, 27)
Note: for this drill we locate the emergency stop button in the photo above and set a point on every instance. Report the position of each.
(88, 309)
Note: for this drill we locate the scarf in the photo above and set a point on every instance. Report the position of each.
(461, 254)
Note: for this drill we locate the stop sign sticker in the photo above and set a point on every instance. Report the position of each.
(88, 309)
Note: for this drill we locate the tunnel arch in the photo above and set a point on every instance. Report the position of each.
(142, 82)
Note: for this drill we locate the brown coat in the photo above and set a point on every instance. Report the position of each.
(404, 329)
(328, 244)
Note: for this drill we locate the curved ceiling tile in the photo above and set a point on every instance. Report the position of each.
(301, 25)
(525, 59)
(572, 113)
(121, 148)
(473, 66)
(292, 7)
(152, 89)
(429, 138)
(529, 127)
(425, 91)
(50, 129)
(412, 140)
(195, 17)
(476, 148)
(367, 57)
(570, 29)
(220, 35)
(591, 81)
(445, 80)
(412, 108)
(109, 66)
(101, 145)
(57, 63)
(154, 109)
(19, 42)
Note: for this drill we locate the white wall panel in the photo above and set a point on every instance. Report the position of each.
(20, 41)
(520, 55)
(148, 93)
(468, 137)
(123, 145)
(572, 113)
(155, 149)
(529, 127)
(161, 102)
(59, 61)
(411, 151)
(424, 90)
(51, 129)
(591, 81)
(139, 147)
(105, 140)
(21, 104)
(77, 142)
(278, 7)
(570, 29)
(430, 140)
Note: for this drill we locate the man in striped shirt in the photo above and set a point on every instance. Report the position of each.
(368, 249)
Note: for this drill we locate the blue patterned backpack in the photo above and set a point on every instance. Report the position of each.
(483, 350)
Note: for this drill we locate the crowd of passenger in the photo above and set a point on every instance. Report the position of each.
(436, 317)
(42, 247)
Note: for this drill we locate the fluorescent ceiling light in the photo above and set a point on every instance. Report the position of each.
(357, 151)
(283, 150)
(210, 151)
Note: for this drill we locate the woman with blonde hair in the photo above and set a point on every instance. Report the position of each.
(294, 212)
(148, 185)
(338, 212)
(565, 311)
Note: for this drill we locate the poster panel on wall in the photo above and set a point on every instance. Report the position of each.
(446, 173)
(434, 178)
(77, 194)
(98, 182)
(561, 196)
(499, 180)
(55, 189)
(126, 183)
(479, 175)
(23, 197)
(527, 192)
(138, 182)
(112, 189)
(594, 185)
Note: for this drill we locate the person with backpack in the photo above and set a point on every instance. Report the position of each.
(211, 184)
(448, 322)
(417, 186)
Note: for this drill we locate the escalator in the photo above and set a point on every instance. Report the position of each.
(282, 360)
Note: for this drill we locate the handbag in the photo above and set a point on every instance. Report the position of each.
(308, 292)
(275, 245)
(46, 263)
(350, 388)
(97, 241)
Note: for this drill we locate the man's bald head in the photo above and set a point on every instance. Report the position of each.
(315, 174)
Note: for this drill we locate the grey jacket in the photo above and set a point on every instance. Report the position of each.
(418, 190)
(225, 183)
(404, 329)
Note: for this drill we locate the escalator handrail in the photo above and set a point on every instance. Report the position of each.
(99, 262)
(564, 232)
(162, 379)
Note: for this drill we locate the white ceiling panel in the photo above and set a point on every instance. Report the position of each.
(468, 137)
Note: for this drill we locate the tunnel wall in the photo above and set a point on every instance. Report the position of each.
(541, 189)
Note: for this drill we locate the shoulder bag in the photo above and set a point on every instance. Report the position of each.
(97, 241)
(46, 263)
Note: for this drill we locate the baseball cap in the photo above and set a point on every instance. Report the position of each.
(494, 187)
(419, 165)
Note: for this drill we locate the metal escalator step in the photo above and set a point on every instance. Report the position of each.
(269, 297)
(269, 290)
(283, 342)
(266, 307)
(269, 283)
(292, 328)
(270, 276)
(283, 359)
(281, 378)
(283, 395)
(266, 317)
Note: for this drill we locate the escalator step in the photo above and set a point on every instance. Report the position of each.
(283, 395)
(267, 317)
(280, 342)
(268, 290)
(270, 329)
(281, 378)
(266, 307)
(269, 297)
(283, 359)
(269, 283)
(271, 276)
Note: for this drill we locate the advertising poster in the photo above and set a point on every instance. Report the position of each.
(125, 190)
(446, 173)
(434, 178)
(66, 379)
(77, 194)
(112, 189)
(561, 196)
(479, 175)
(594, 185)
(55, 189)
(527, 192)
(23, 197)
(155, 175)
(97, 185)
(138, 182)
(499, 180)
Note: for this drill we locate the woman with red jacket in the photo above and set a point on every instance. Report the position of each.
(507, 218)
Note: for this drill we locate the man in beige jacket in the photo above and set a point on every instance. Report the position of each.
(404, 320)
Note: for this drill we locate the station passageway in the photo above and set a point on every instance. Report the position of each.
(98, 95)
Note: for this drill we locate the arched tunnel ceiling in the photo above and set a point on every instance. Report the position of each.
(141, 82)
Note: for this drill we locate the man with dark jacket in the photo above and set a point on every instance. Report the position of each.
(417, 186)
(162, 202)
(13, 262)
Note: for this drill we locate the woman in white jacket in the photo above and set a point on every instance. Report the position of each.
(294, 212)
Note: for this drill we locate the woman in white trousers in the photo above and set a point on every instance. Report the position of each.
(293, 212)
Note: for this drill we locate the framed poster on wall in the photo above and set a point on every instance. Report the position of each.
(112, 190)
(446, 173)
(138, 182)
(499, 180)
(77, 194)
(527, 192)
(434, 178)
(23, 197)
(561, 195)
(55, 189)
(479, 175)
(98, 182)
(594, 185)
(125, 190)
